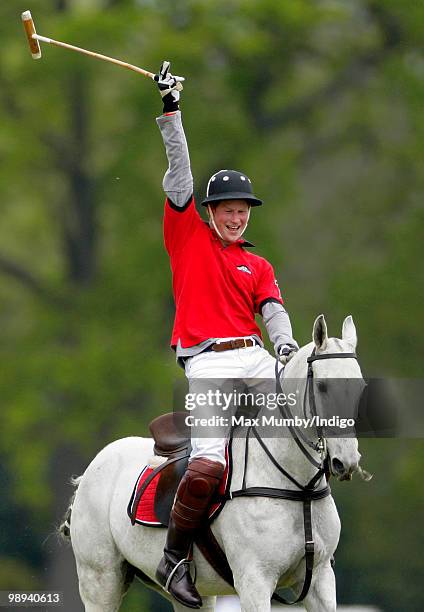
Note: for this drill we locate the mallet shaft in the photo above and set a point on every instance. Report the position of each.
(99, 56)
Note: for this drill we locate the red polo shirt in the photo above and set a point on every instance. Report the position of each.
(217, 289)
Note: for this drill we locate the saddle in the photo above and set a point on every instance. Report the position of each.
(171, 434)
(172, 440)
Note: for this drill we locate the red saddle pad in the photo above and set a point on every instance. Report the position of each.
(145, 513)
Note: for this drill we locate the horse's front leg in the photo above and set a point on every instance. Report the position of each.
(322, 593)
(254, 590)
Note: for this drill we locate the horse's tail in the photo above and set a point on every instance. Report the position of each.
(64, 529)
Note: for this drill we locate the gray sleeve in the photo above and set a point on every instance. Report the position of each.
(178, 181)
(278, 326)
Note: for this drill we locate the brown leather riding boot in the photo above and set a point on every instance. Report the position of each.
(190, 509)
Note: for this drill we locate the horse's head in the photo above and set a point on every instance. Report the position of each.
(338, 385)
(334, 388)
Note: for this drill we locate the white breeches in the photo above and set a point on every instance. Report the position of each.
(246, 364)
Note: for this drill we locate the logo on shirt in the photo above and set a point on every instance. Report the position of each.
(244, 269)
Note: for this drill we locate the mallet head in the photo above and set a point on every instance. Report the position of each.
(34, 45)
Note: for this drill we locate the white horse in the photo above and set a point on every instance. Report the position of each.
(263, 538)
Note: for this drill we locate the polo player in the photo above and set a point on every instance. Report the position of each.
(219, 286)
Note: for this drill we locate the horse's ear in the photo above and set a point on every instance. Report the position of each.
(319, 334)
(349, 332)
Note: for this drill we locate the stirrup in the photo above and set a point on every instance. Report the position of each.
(174, 569)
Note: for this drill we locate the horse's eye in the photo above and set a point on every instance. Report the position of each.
(322, 387)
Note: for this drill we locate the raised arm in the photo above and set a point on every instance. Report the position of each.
(178, 180)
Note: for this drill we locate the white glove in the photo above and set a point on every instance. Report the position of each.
(286, 352)
(169, 87)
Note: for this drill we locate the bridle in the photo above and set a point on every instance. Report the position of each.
(306, 493)
(298, 435)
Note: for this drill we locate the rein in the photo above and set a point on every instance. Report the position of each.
(306, 493)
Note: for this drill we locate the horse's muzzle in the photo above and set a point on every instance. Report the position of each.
(340, 471)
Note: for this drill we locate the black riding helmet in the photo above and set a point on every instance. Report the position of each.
(230, 185)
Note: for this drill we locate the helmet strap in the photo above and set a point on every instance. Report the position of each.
(212, 221)
(247, 222)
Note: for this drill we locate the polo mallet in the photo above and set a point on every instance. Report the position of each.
(34, 40)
